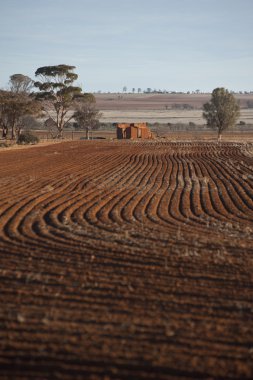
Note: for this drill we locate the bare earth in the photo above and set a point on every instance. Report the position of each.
(127, 260)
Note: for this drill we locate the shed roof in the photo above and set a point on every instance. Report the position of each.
(134, 125)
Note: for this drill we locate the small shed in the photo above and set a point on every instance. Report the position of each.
(133, 131)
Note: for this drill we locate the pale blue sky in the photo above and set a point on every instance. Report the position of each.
(164, 44)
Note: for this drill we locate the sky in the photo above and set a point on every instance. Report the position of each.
(177, 45)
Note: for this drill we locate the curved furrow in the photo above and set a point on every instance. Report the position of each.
(132, 185)
(191, 205)
(139, 206)
(198, 185)
(186, 199)
(176, 187)
(22, 228)
(113, 208)
(47, 216)
(152, 188)
(209, 200)
(225, 189)
(216, 191)
(204, 200)
(165, 202)
(162, 207)
(116, 185)
(160, 185)
(70, 212)
(240, 188)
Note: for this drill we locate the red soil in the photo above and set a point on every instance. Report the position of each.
(124, 260)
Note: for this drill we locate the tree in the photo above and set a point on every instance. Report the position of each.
(58, 94)
(139, 90)
(86, 115)
(125, 89)
(222, 111)
(15, 104)
(20, 83)
(13, 109)
(4, 112)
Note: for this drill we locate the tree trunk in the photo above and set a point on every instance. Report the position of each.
(13, 132)
(60, 123)
(60, 130)
(19, 131)
(60, 135)
(87, 134)
(5, 132)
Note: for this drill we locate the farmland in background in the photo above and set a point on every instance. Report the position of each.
(163, 108)
(175, 117)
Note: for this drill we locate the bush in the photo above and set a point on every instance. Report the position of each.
(27, 138)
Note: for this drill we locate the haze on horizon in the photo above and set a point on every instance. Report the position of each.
(173, 45)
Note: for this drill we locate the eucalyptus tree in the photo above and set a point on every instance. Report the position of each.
(222, 111)
(16, 103)
(58, 94)
(86, 114)
(20, 83)
(14, 107)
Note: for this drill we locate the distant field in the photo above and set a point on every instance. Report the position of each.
(157, 101)
(161, 107)
(164, 116)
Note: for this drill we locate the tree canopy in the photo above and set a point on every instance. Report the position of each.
(222, 111)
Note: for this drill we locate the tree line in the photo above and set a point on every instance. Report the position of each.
(53, 96)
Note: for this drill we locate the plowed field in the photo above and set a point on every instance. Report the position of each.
(126, 261)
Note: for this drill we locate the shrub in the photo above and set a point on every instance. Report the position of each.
(27, 138)
(3, 145)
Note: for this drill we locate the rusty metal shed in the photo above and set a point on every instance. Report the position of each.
(133, 131)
